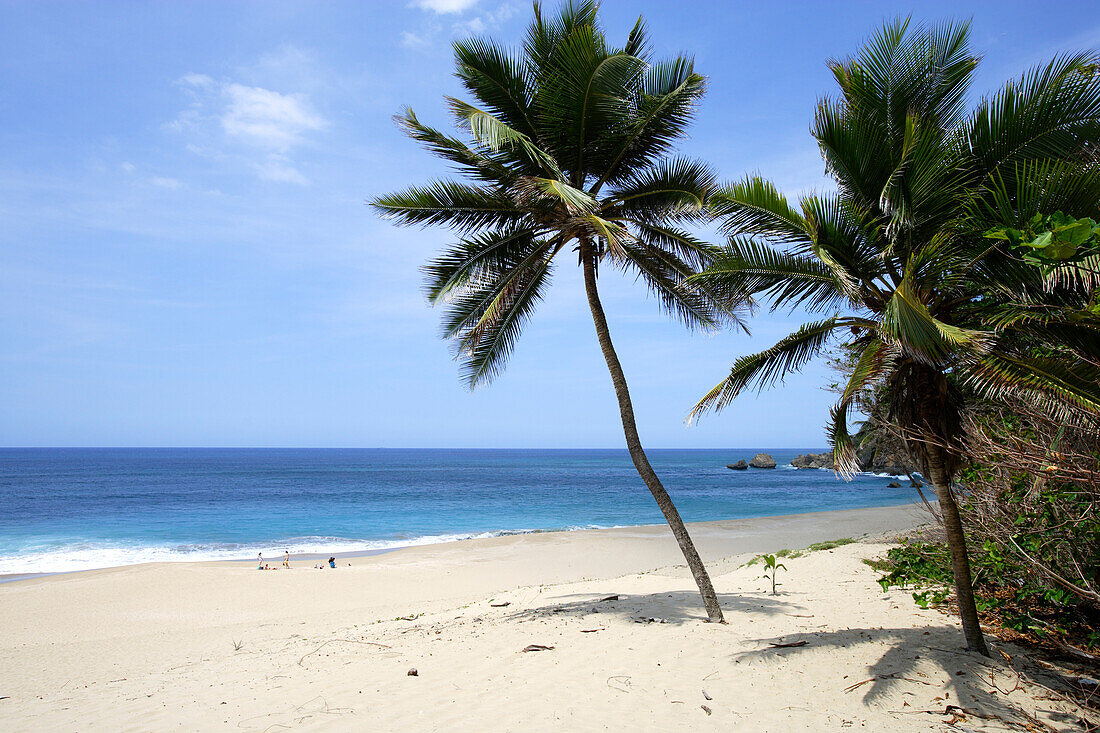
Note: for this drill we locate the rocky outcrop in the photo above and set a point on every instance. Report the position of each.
(813, 460)
(885, 462)
(762, 460)
(739, 466)
(893, 485)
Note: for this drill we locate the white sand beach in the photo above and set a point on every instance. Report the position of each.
(222, 646)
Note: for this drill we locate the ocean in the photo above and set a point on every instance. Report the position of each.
(66, 509)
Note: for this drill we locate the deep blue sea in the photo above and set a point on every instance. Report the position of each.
(76, 508)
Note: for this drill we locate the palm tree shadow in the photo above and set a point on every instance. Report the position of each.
(678, 607)
(930, 657)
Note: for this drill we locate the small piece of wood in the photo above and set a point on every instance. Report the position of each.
(706, 710)
(500, 605)
(609, 598)
(706, 696)
(537, 648)
(788, 646)
(591, 631)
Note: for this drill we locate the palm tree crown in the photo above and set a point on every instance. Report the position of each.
(895, 258)
(567, 142)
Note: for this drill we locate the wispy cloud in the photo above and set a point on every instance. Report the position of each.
(445, 6)
(473, 24)
(267, 118)
(261, 125)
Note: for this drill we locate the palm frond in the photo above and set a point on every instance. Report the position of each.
(907, 322)
(460, 206)
(475, 163)
(498, 80)
(478, 259)
(673, 189)
(788, 280)
(766, 367)
(754, 207)
(497, 135)
(1050, 113)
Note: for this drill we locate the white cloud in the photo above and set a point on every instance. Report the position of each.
(199, 81)
(260, 127)
(267, 118)
(489, 20)
(445, 6)
(171, 183)
(278, 168)
(412, 40)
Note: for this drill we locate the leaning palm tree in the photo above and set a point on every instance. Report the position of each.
(566, 149)
(896, 259)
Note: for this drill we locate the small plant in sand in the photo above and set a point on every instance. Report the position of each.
(771, 567)
(237, 645)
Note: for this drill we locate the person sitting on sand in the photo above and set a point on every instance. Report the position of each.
(332, 562)
(286, 559)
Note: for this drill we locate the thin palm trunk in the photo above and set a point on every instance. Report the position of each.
(634, 443)
(960, 559)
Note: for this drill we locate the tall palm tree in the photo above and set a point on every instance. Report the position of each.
(567, 149)
(896, 260)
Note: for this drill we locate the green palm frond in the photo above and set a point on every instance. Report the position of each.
(666, 275)
(1050, 113)
(765, 368)
(484, 348)
(907, 322)
(1072, 390)
(575, 201)
(457, 205)
(664, 107)
(498, 135)
(754, 207)
(675, 188)
(686, 246)
(788, 280)
(474, 163)
(479, 258)
(498, 79)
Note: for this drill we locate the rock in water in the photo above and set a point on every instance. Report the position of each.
(813, 460)
(739, 466)
(762, 460)
(893, 485)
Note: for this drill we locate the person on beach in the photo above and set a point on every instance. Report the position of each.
(260, 561)
(332, 562)
(286, 559)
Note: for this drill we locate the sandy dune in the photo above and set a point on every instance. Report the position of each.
(152, 647)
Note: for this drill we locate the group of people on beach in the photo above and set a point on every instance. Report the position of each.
(286, 562)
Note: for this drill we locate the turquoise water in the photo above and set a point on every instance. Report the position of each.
(73, 509)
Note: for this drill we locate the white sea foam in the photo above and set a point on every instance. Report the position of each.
(78, 556)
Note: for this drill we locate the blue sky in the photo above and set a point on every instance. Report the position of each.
(186, 257)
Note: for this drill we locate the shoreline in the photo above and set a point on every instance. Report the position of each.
(276, 559)
(539, 632)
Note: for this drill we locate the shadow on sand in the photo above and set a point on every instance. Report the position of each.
(963, 683)
(678, 607)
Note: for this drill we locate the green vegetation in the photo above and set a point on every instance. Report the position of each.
(1006, 592)
(771, 568)
(898, 261)
(566, 150)
(830, 545)
(793, 554)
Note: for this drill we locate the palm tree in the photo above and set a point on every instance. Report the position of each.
(567, 149)
(896, 260)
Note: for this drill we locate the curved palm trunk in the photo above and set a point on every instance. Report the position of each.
(634, 444)
(956, 543)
